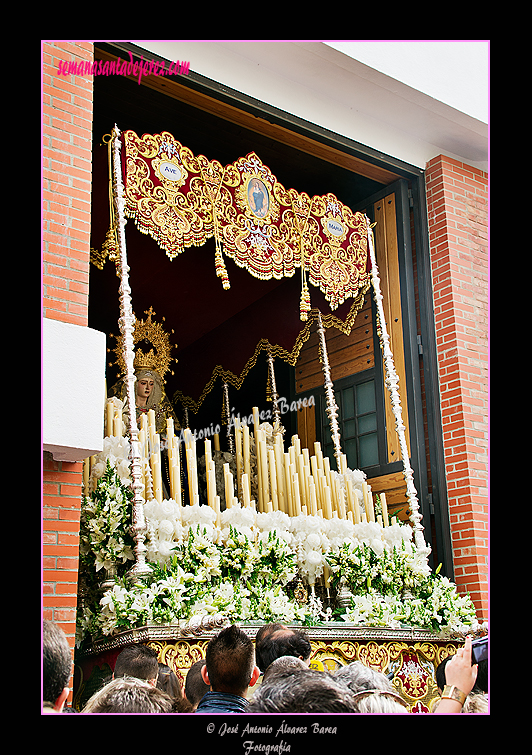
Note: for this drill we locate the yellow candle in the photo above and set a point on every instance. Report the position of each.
(246, 452)
(366, 501)
(281, 494)
(288, 485)
(169, 429)
(263, 456)
(216, 440)
(273, 479)
(229, 489)
(313, 498)
(295, 491)
(384, 507)
(328, 503)
(246, 491)
(319, 454)
(157, 478)
(217, 508)
(239, 459)
(109, 418)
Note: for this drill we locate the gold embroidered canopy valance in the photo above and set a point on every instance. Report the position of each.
(182, 200)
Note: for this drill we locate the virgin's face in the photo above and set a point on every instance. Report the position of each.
(144, 387)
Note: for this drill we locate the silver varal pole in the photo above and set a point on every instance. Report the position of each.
(332, 407)
(392, 381)
(127, 327)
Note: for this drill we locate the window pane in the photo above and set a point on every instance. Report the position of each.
(366, 397)
(367, 423)
(350, 450)
(350, 429)
(369, 451)
(349, 403)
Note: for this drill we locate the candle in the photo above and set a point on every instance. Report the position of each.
(157, 477)
(313, 498)
(246, 491)
(288, 484)
(216, 440)
(281, 493)
(229, 489)
(328, 503)
(263, 456)
(367, 506)
(384, 507)
(109, 418)
(217, 509)
(319, 455)
(295, 492)
(117, 424)
(273, 479)
(239, 459)
(246, 453)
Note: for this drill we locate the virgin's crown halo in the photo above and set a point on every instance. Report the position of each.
(156, 354)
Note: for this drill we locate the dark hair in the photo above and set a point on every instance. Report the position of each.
(440, 673)
(262, 633)
(195, 687)
(56, 661)
(305, 691)
(284, 642)
(139, 661)
(168, 681)
(230, 658)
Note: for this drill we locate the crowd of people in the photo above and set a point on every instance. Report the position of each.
(272, 675)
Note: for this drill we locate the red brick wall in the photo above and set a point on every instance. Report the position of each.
(457, 198)
(67, 157)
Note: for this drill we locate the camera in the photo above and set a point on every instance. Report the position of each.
(479, 650)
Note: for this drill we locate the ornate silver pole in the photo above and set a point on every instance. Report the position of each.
(276, 414)
(127, 327)
(332, 408)
(392, 381)
(230, 440)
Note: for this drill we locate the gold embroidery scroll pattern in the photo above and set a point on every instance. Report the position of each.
(414, 676)
(162, 195)
(251, 233)
(182, 200)
(338, 270)
(179, 655)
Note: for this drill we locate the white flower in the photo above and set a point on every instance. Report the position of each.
(313, 540)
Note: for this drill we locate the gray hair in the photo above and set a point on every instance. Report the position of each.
(379, 701)
(127, 694)
(302, 691)
(285, 663)
(359, 677)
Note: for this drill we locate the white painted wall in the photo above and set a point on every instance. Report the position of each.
(411, 100)
(73, 390)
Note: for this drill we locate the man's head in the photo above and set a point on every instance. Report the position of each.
(230, 662)
(56, 665)
(262, 633)
(284, 642)
(139, 661)
(127, 694)
(302, 691)
(195, 687)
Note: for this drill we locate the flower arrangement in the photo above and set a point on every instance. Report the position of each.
(104, 537)
(244, 565)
